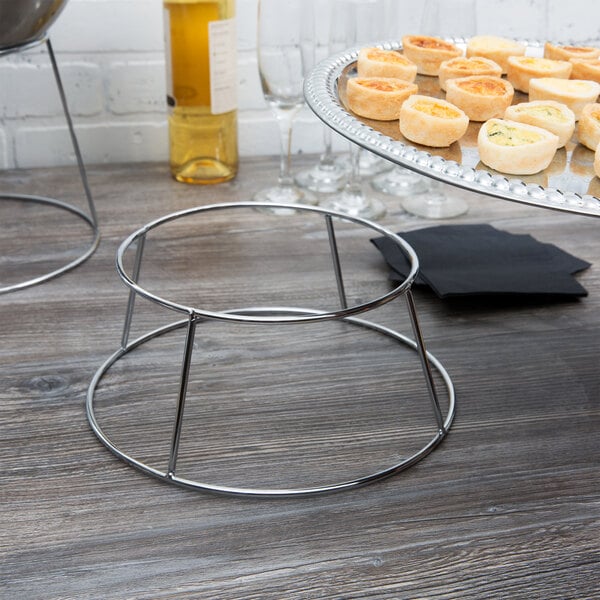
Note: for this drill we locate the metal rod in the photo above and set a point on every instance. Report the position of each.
(336, 261)
(80, 164)
(424, 361)
(131, 302)
(183, 384)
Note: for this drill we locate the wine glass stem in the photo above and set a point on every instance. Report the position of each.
(326, 160)
(285, 118)
(354, 185)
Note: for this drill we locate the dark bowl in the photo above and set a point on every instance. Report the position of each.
(26, 21)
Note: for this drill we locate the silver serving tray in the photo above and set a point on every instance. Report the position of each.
(568, 184)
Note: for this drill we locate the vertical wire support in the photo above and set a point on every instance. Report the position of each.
(425, 362)
(183, 385)
(80, 164)
(335, 257)
(131, 302)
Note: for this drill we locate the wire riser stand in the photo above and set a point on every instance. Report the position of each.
(269, 315)
(91, 218)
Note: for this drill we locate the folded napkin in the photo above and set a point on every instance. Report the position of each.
(459, 260)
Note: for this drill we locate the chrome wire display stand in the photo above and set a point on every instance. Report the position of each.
(91, 218)
(269, 315)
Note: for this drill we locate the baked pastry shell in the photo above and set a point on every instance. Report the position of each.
(495, 48)
(522, 159)
(558, 52)
(377, 104)
(574, 96)
(588, 131)
(479, 107)
(428, 59)
(564, 130)
(367, 66)
(430, 130)
(484, 66)
(520, 72)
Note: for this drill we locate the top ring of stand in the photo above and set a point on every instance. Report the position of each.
(91, 218)
(273, 315)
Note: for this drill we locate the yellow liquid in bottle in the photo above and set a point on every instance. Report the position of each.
(203, 146)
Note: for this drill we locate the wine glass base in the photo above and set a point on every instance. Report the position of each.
(369, 164)
(400, 182)
(323, 179)
(283, 195)
(349, 204)
(434, 206)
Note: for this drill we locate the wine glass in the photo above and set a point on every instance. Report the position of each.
(327, 175)
(454, 19)
(356, 22)
(285, 48)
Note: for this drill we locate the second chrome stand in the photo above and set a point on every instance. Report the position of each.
(89, 216)
(195, 318)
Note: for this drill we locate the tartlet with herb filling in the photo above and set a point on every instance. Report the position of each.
(575, 93)
(515, 148)
(548, 114)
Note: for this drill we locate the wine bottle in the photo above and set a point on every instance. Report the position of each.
(200, 43)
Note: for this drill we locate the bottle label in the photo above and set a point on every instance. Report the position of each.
(223, 66)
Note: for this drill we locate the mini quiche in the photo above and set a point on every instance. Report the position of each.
(465, 67)
(597, 163)
(432, 121)
(547, 114)
(378, 98)
(481, 97)
(521, 69)
(495, 48)
(515, 148)
(428, 52)
(585, 69)
(375, 62)
(575, 93)
(556, 52)
(588, 131)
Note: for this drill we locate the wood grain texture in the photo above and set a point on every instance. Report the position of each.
(507, 507)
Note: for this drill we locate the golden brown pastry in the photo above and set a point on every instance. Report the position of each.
(428, 52)
(432, 121)
(588, 131)
(585, 69)
(548, 114)
(556, 52)
(375, 62)
(495, 48)
(575, 93)
(378, 98)
(481, 97)
(465, 67)
(515, 148)
(520, 69)
(597, 163)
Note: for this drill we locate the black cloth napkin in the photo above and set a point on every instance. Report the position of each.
(460, 260)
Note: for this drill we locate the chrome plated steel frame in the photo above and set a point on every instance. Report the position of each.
(273, 315)
(91, 218)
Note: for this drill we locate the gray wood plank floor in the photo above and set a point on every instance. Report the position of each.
(508, 506)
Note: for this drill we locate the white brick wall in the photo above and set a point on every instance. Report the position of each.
(111, 58)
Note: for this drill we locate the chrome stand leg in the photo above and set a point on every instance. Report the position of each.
(183, 384)
(88, 217)
(63, 99)
(425, 362)
(336, 262)
(131, 302)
